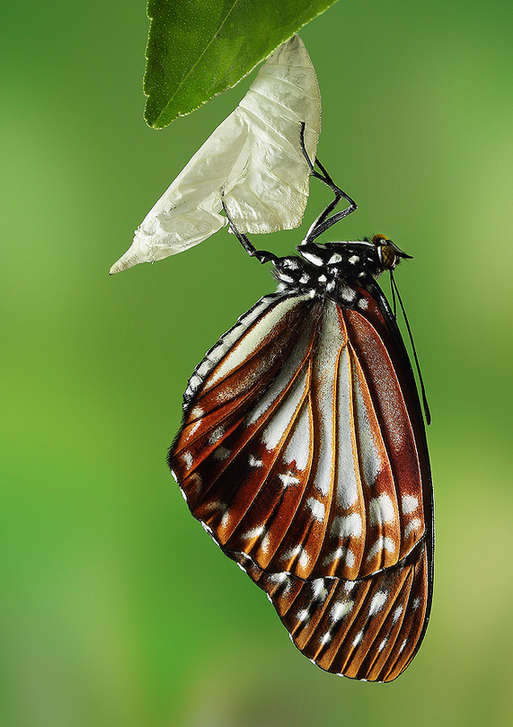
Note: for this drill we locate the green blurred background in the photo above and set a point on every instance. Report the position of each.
(116, 607)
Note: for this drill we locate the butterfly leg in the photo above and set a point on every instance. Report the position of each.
(263, 256)
(324, 221)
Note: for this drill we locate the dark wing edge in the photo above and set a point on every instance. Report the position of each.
(410, 391)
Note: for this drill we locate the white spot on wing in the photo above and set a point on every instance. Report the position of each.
(193, 427)
(334, 555)
(195, 382)
(377, 603)
(216, 435)
(412, 527)
(358, 638)
(288, 479)
(341, 553)
(264, 544)
(253, 533)
(341, 609)
(397, 614)
(303, 558)
(346, 526)
(409, 504)
(381, 544)
(347, 293)
(317, 508)
(202, 370)
(187, 459)
(254, 462)
(381, 509)
(312, 258)
(319, 591)
(282, 583)
(292, 552)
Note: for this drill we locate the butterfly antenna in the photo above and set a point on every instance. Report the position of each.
(395, 290)
(394, 302)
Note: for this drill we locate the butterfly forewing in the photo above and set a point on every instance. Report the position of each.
(240, 393)
(302, 456)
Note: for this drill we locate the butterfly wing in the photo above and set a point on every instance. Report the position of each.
(302, 453)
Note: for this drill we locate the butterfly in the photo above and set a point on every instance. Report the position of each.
(303, 453)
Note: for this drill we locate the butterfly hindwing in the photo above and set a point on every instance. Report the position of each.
(365, 629)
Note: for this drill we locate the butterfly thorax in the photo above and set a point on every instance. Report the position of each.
(322, 269)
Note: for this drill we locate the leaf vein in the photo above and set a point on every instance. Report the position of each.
(194, 65)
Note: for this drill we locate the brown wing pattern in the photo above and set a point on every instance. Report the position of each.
(299, 456)
(366, 629)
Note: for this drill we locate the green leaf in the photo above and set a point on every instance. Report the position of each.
(199, 48)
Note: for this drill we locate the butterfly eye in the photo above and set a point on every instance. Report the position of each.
(388, 256)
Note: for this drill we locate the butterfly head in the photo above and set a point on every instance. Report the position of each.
(389, 255)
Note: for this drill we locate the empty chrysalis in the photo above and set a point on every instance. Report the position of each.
(253, 158)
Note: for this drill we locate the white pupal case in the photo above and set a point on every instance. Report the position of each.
(254, 156)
